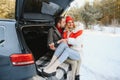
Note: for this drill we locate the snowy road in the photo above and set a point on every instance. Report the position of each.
(101, 60)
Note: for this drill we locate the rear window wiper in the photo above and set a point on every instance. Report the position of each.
(1, 41)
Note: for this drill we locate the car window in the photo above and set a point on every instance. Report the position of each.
(2, 34)
(49, 8)
(7, 9)
(36, 6)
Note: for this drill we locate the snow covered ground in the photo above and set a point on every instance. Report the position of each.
(110, 28)
(101, 60)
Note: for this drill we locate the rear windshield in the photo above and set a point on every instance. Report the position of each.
(36, 6)
(7, 9)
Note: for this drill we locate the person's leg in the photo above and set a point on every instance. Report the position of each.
(66, 53)
(78, 67)
(62, 46)
(77, 76)
(51, 62)
(74, 68)
(57, 53)
(59, 60)
(74, 55)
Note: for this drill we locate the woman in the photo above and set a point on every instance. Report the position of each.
(69, 47)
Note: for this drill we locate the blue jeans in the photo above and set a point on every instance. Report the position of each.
(63, 52)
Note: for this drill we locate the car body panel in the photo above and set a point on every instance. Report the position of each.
(24, 7)
(7, 48)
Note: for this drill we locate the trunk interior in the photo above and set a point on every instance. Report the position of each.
(36, 39)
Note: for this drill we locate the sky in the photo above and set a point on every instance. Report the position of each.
(79, 3)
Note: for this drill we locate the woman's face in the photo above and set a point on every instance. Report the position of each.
(70, 24)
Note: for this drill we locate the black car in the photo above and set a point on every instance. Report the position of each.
(23, 41)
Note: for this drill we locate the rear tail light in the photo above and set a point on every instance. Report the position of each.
(21, 59)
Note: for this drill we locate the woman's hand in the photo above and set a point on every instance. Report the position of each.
(62, 40)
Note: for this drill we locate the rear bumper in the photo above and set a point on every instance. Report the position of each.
(17, 72)
(36, 77)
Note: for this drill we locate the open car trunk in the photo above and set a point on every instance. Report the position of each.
(36, 39)
(35, 18)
